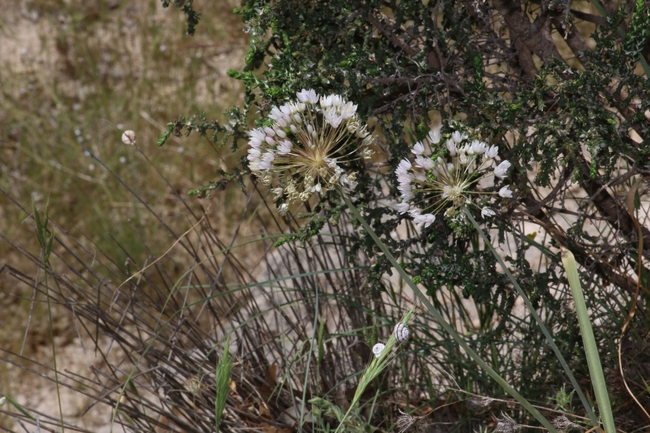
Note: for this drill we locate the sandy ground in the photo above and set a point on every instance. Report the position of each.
(28, 42)
(78, 409)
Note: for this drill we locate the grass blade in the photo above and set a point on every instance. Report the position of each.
(593, 359)
(47, 242)
(222, 378)
(14, 403)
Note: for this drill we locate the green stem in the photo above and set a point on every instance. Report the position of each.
(538, 319)
(591, 349)
(46, 243)
(447, 327)
(311, 351)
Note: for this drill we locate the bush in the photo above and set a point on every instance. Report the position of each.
(561, 91)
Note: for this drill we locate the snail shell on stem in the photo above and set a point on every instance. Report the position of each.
(128, 138)
(377, 349)
(402, 332)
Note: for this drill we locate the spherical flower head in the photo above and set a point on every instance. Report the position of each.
(444, 177)
(309, 146)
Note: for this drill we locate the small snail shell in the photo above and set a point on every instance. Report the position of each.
(402, 333)
(377, 349)
(128, 138)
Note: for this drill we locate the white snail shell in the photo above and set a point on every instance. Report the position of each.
(402, 332)
(377, 349)
(128, 138)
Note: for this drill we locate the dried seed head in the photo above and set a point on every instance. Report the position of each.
(478, 404)
(405, 421)
(128, 138)
(563, 424)
(505, 424)
(193, 385)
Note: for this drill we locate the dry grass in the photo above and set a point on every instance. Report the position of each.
(75, 75)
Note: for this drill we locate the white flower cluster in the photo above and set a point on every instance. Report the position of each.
(307, 147)
(428, 186)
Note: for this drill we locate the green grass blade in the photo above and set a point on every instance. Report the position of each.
(46, 250)
(223, 377)
(593, 359)
(17, 405)
(376, 366)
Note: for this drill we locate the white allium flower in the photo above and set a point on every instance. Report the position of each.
(306, 147)
(486, 212)
(367, 153)
(278, 192)
(505, 192)
(451, 147)
(403, 167)
(284, 147)
(307, 96)
(501, 169)
(425, 219)
(424, 162)
(477, 147)
(491, 152)
(418, 148)
(447, 182)
(403, 207)
(434, 136)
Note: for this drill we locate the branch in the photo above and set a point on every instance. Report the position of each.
(613, 212)
(527, 37)
(391, 35)
(605, 270)
(574, 39)
(596, 19)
